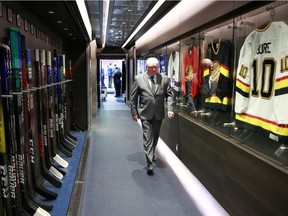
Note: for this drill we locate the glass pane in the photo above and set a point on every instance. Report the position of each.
(261, 96)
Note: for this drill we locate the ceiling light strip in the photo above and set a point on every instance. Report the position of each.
(105, 20)
(84, 14)
(150, 14)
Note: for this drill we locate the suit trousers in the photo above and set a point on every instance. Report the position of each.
(151, 131)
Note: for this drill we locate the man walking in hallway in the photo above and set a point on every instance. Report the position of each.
(148, 95)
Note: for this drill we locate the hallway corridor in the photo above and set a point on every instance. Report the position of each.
(116, 183)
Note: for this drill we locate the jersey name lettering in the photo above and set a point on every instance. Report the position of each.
(264, 48)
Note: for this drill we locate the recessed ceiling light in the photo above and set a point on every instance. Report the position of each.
(65, 29)
(51, 12)
(59, 21)
(70, 34)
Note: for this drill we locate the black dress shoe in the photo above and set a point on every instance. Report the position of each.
(150, 169)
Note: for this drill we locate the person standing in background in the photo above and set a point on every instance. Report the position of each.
(102, 77)
(110, 74)
(148, 94)
(117, 81)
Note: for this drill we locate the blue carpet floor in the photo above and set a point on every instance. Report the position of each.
(61, 203)
(116, 182)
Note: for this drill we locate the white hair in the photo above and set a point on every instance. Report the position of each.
(152, 61)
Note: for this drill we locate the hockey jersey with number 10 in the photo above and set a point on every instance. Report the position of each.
(261, 102)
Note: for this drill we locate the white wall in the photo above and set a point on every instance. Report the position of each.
(184, 17)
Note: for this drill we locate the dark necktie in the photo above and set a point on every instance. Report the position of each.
(152, 84)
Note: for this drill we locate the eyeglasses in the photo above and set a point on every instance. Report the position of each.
(151, 67)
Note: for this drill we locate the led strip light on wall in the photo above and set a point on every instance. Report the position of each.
(84, 14)
(203, 200)
(150, 14)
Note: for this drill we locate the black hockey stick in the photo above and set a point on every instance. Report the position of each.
(33, 137)
(28, 186)
(65, 149)
(69, 137)
(10, 135)
(51, 116)
(5, 190)
(45, 118)
(16, 42)
(41, 123)
(62, 102)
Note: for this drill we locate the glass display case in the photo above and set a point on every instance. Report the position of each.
(261, 81)
(141, 66)
(161, 54)
(233, 77)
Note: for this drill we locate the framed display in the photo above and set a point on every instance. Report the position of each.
(9, 15)
(18, 20)
(26, 26)
(31, 29)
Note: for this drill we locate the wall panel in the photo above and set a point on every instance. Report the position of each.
(243, 182)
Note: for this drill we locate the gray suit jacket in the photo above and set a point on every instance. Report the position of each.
(145, 103)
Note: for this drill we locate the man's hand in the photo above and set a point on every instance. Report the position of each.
(170, 114)
(135, 117)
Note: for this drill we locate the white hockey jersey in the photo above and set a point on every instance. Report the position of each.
(173, 70)
(261, 102)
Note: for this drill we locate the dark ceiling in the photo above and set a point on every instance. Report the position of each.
(124, 17)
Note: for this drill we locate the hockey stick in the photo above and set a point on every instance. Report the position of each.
(62, 103)
(69, 137)
(51, 115)
(2, 210)
(5, 190)
(26, 76)
(41, 124)
(28, 181)
(7, 170)
(68, 76)
(61, 145)
(45, 118)
(16, 59)
(10, 136)
(34, 158)
(16, 43)
(74, 124)
(57, 158)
